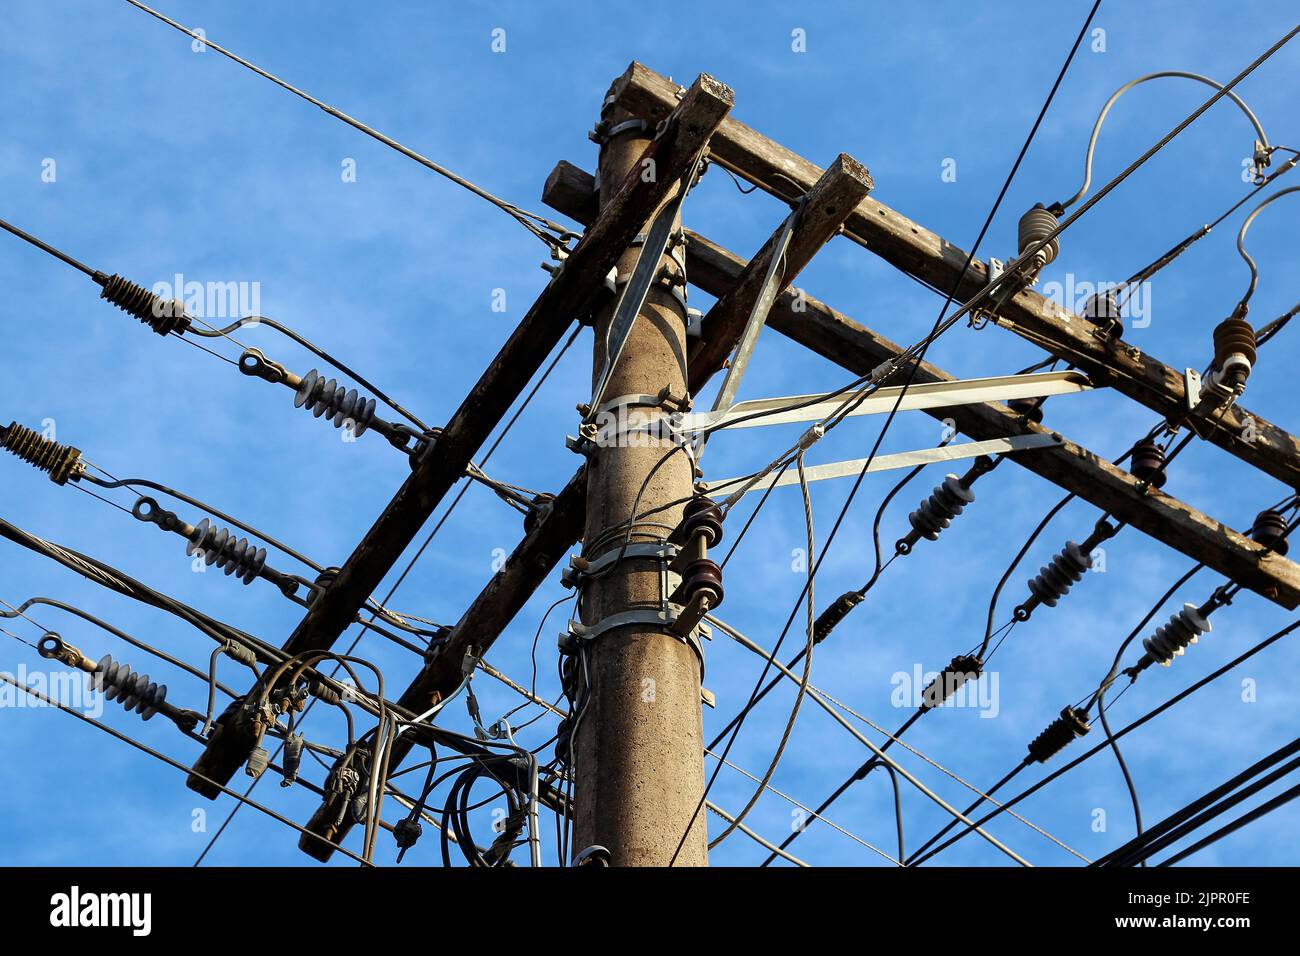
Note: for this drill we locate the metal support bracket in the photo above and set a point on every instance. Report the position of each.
(663, 619)
(906, 459)
(579, 568)
(757, 315)
(632, 299)
(806, 408)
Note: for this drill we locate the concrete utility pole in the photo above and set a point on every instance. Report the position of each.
(638, 748)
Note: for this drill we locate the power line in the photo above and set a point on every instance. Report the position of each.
(934, 334)
(528, 220)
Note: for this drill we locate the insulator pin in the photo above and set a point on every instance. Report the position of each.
(1234, 353)
(61, 462)
(702, 516)
(1102, 310)
(1269, 530)
(540, 507)
(960, 669)
(1030, 408)
(1172, 639)
(837, 611)
(703, 577)
(1148, 464)
(936, 512)
(1035, 226)
(1234, 337)
(1061, 732)
(164, 316)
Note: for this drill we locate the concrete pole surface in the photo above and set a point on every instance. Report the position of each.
(638, 746)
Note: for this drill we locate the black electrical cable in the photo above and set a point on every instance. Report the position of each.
(164, 758)
(528, 220)
(1204, 808)
(1246, 818)
(1110, 738)
(1123, 765)
(1015, 562)
(411, 564)
(1150, 715)
(911, 374)
(880, 565)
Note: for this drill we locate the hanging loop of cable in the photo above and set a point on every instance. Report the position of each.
(1244, 304)
(1262, 151)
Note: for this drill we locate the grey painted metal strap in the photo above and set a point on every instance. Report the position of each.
(664, 551)
(758, 314)
(905, 459)
(781, 411)
(632, 299)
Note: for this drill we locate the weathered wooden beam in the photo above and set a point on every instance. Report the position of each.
(838, 338)
(919, 252)
(828, 203)
(701, 109)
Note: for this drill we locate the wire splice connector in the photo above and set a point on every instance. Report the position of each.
(960, 669)
(1061, 732)
(61, 462)
(834, 613)
(164, 316)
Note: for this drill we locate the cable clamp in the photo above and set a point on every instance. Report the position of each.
(581, 568)
(254, 362)
(664, 619)
(561, 256)
(604, 131)
(609, 424)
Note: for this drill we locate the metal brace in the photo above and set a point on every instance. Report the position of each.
(589, 431)
(663, 619)
(659, 239)
(757, 314)
(1191, 388)
(604, 132)
(579, 567)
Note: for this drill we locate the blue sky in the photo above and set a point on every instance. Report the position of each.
(171, 161)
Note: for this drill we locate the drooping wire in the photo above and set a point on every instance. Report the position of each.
(529, 220)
